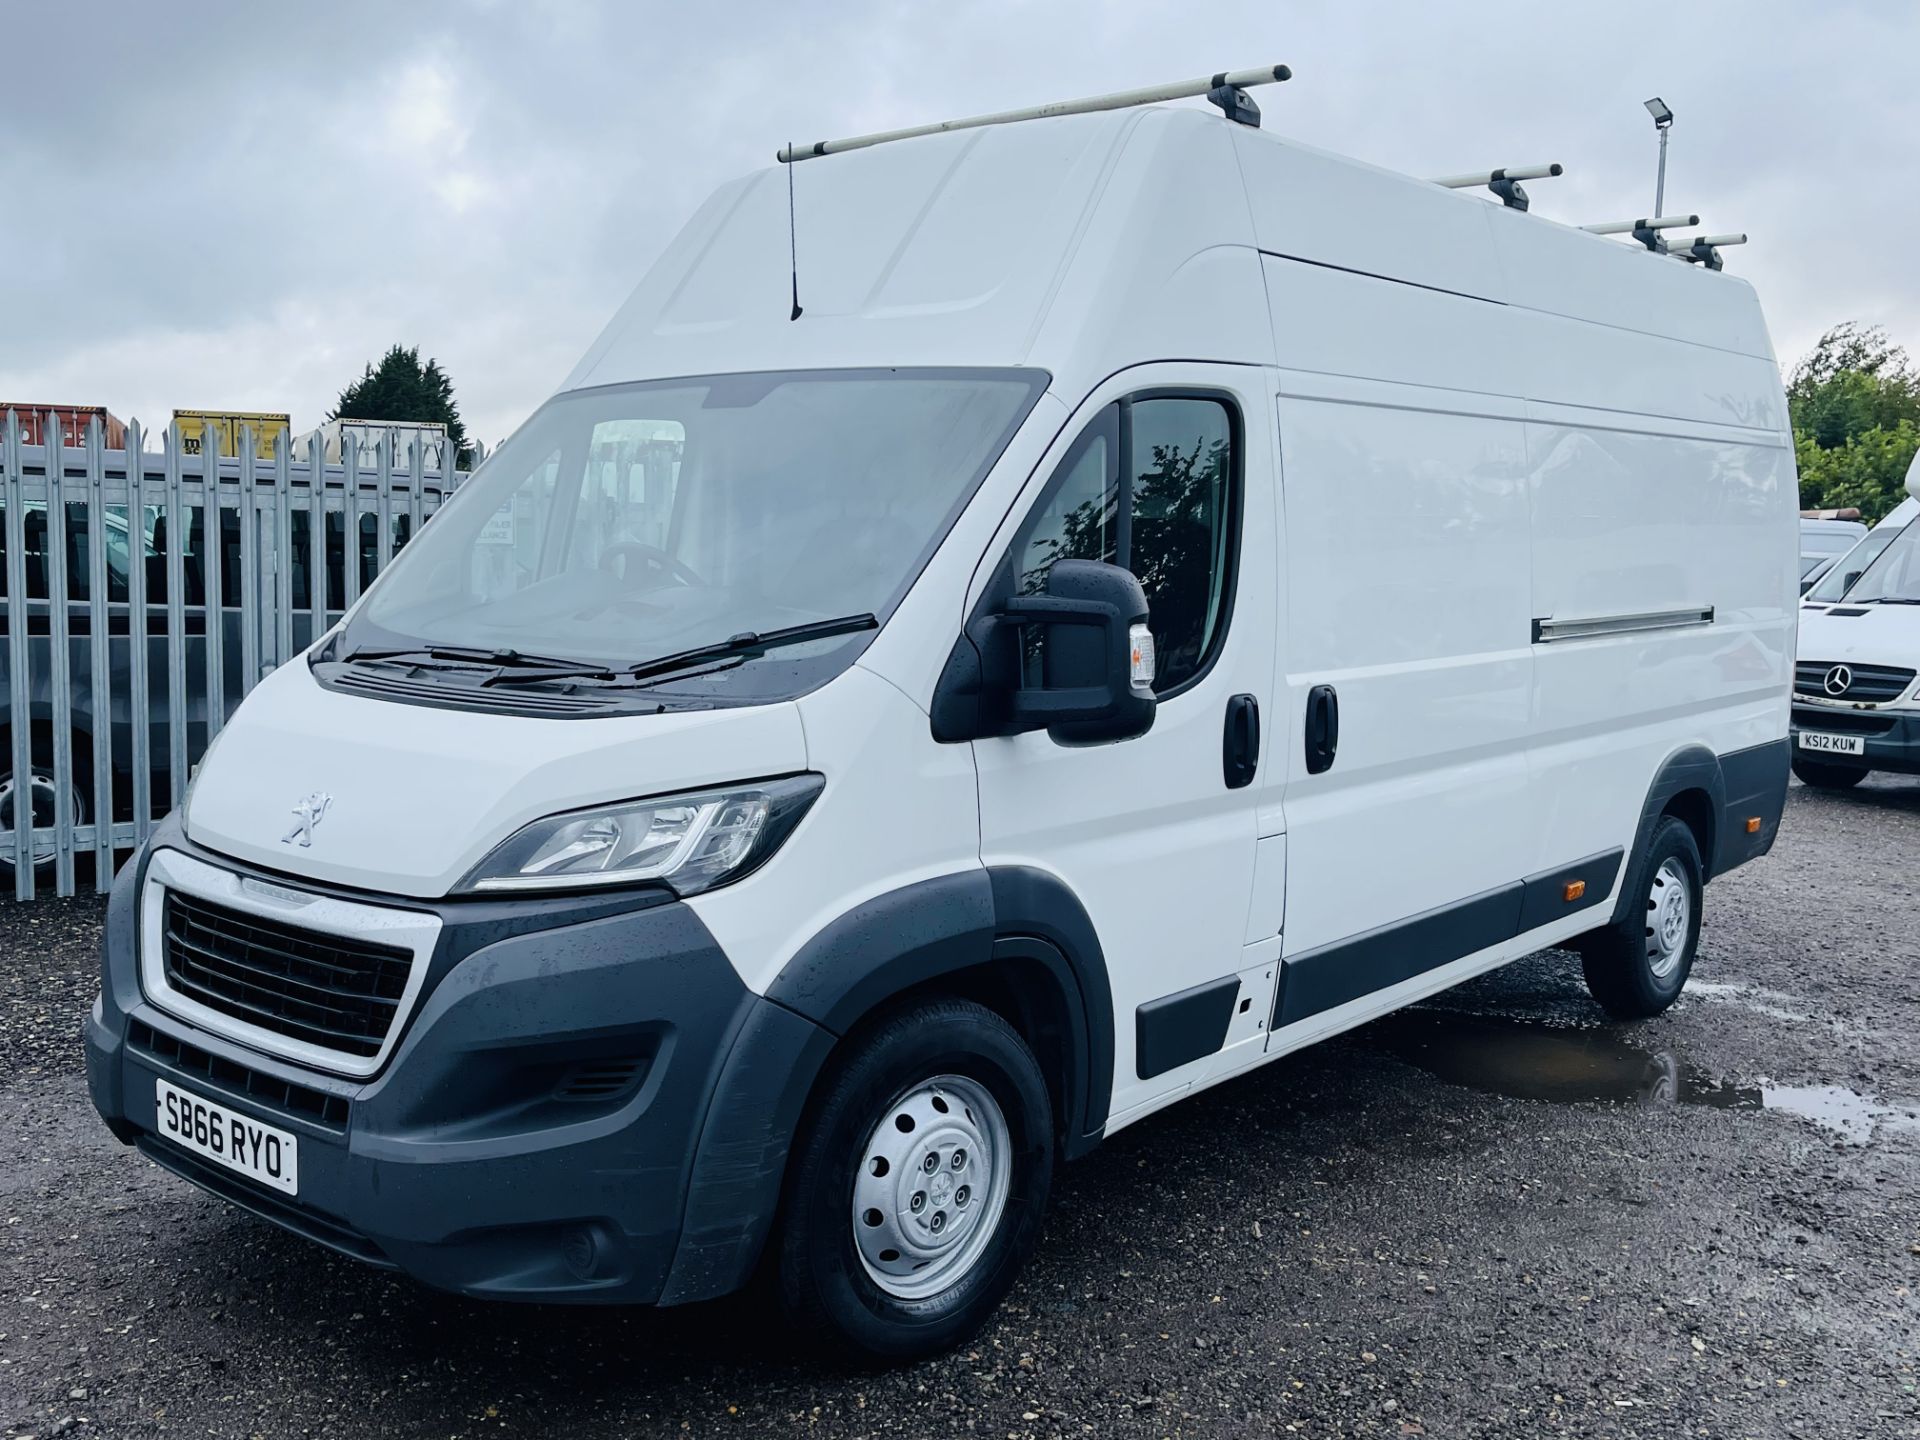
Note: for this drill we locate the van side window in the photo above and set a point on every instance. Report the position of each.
(1150, 486)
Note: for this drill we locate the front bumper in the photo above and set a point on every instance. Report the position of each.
(465, 1161)
(1891, 737)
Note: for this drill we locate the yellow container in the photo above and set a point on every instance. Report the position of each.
(224, 427)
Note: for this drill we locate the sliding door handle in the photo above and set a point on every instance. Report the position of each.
(1322, 729)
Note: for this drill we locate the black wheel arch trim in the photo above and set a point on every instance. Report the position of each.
(1740, 785)
(1692, 767)
(904, 938)
(882, 947)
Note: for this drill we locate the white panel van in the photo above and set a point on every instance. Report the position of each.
(896, 717)
(1856, 686)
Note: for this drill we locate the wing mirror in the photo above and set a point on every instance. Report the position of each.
(1096, 662)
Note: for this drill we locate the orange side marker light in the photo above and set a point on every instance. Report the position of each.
(1753, 825)
(1575, 889)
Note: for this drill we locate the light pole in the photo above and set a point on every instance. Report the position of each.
(1662, 122)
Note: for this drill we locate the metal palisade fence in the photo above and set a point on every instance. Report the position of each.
(145, 593)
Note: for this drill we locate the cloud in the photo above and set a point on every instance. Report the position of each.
(243, 211)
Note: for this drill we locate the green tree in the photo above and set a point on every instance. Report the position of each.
(1855, 403)
(401, 389)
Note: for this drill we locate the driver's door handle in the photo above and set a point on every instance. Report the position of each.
(1240, 746)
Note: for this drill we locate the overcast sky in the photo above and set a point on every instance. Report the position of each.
(237, 206)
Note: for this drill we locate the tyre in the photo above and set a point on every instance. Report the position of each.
(35, 795)
(1636, 965)
(1827, 777)
(918, 1184)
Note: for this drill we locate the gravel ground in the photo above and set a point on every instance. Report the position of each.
(1494, 1216)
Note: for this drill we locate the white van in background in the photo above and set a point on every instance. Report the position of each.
(889, 723)
(1856, 701)
(1833, 584)
(1821, 540)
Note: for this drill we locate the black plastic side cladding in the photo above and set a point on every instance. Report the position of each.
(1330, 976)
(1176, 1029)
(1543, 897)
(1755, 782)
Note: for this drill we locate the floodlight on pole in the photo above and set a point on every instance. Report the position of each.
(1662, 122)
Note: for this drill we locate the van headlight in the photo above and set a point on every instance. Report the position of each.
(689, 842)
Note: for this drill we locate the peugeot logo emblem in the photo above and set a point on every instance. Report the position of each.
(1839, 680)
(307, 813)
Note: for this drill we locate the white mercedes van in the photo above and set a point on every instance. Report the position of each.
(1856, 703)
(908, 708)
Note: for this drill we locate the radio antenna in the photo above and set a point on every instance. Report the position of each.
(793, 243)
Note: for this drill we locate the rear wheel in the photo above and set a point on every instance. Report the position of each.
(1636, 966)
(1823, 776)
(918, 1184)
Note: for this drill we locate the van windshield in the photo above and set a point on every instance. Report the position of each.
(1893, 578)
(628, 523)
(1851, 566)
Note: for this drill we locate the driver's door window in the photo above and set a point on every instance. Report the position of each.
(1150, 486)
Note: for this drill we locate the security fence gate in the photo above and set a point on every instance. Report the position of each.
(145, 593)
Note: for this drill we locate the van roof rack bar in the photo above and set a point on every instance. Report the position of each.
(1627, 227)
(1225, 89)
(1703, 249)
(1505, 183)
(1647, 232)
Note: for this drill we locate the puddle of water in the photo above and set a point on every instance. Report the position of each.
(1529, 1061)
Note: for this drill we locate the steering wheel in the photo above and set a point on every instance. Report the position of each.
(653, 555)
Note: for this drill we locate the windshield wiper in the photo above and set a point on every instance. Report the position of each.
(514, 667)
(1889, 600)
(751, 642)
(471, 655)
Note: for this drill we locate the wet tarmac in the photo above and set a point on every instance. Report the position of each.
(1540, 1060)
(1497, 1216)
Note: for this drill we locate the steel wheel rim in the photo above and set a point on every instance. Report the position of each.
(931, 1186)
(43, 800)
(1669, 918)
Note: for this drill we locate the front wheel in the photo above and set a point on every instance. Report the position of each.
(918, 1184)
(1827, 777)
(1636, 965)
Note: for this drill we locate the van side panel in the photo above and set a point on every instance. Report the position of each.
(1408, 585)
(1637, 514)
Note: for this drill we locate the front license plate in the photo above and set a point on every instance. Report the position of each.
(260, 1152)
(1833, 744)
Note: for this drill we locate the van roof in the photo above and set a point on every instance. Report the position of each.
(1086, 243)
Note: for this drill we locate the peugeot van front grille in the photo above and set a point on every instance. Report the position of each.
(327, 990)
(1842, 680)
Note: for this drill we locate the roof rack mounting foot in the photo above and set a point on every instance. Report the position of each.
(1504, 182)
(1704, 249)
(1236, 104)
(1510, 193)
(1650, 238)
